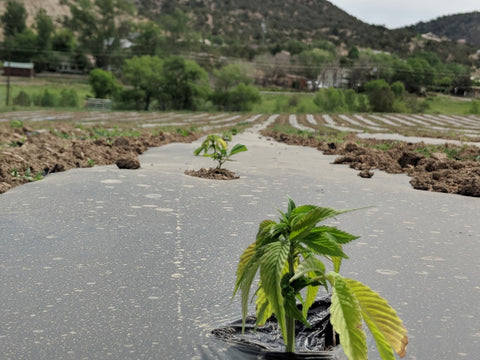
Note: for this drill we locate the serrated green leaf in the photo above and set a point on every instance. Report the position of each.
(291, 207)
(264, 309)
(382, 320)
(291, 310)
(323, 244)
(271, 270)
(340, 236)
(346, 318)
(337, 262)
(264, 230)
(310, 296)
(237, 148)
(310, 264)
(247, 269)
(305, 221)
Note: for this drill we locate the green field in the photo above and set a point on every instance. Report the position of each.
(272, 102)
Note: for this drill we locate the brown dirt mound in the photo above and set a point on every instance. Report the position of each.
(28, 155)
(213, 174)
(435, 173)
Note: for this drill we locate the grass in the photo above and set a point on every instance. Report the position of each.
(37, 85)
(272, 102)
(448, 105)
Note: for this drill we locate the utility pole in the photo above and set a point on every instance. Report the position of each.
(8, 73)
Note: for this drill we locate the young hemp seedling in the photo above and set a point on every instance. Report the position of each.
(215, 147)
(287, 255)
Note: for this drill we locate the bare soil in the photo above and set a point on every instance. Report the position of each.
(436, 172)
(27, 154)
(33, 151)
(213, 174)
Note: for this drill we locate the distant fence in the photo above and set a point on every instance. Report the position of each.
(99, 104)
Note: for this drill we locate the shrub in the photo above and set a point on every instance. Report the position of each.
(68, 98)
(22, 99)
(380, 96)
(330, 100)
(45, 99)
(240, 98)
(474, 107)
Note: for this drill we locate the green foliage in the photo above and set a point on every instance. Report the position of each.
(64, 41)
(330, 100)
(104, 84)
(313, 61)
(145, 74)
(398, 89)
(45, 99)
(14, 18)
(28, 175)
(240, 98)
(380, 95)
(215, 147)
(16, 124)
(185, 84)
(287, 254)
(22, 99)
(68, 98)
(100, 25)
(474, 107)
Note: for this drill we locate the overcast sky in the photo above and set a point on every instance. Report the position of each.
(398, 13)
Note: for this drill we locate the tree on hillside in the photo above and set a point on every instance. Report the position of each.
(185, 86)
(104, 84)
(145, 75)
(45, 29)
(233, 89)
(19, 40)
(148, 40)
(312, 62)
(100, 25)
(14, 19)
(380, 95)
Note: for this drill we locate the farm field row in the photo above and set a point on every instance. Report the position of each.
(466, 127)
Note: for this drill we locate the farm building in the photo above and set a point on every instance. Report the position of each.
(18, 69)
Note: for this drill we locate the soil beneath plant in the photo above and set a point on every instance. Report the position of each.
(213, 174)
(28, 154)
(436, 172)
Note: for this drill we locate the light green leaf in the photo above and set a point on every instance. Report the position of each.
(346, 318)
(337, 262)
(246, 271)
(310, 264)
(310, 297)
(237, 148)
(382, 320)
(264, 309)
(273, 263)
(291, 310)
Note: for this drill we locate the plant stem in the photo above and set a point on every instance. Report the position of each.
(290, 322)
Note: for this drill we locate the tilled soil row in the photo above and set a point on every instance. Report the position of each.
(435, 173)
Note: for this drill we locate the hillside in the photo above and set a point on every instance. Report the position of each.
(455, 27)
(56, 9)
(272, 23)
